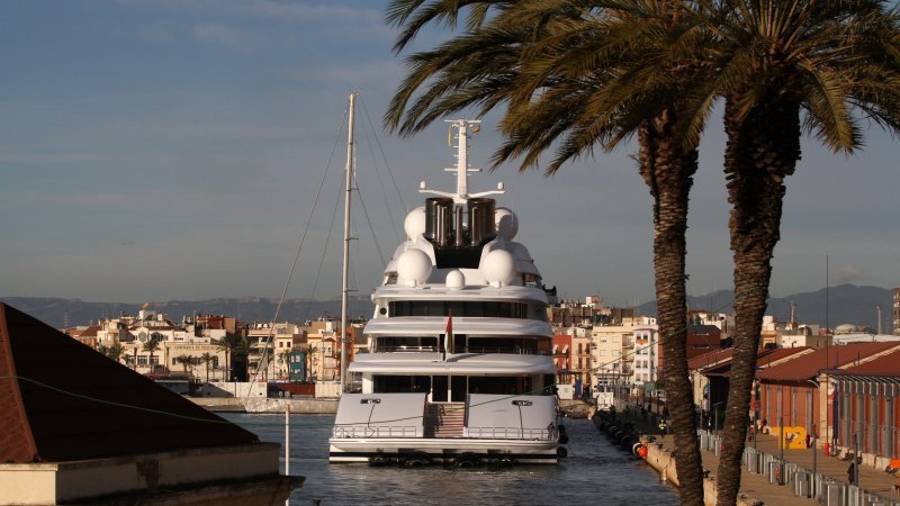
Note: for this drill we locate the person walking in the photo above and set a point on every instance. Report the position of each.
(851, 472)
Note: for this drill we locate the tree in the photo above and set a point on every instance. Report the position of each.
(188, 361)
(115, 351)
(580, 75)
(230, 343)
(285, 356)
(206, 358)
(152, 345)
(785, 67)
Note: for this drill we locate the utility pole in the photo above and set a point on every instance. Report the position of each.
(878, 310)
(345, 274)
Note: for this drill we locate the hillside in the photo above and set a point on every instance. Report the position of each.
(55, 311)
(847, 304)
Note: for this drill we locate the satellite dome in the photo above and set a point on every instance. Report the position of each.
(455, 280)
(413, 267)
(498, 267)
(414, 224)
(507, 223)
(846, 328)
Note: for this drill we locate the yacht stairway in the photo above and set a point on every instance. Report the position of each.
(445, 420)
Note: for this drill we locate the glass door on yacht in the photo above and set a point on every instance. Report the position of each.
(440, 386)
(458, 388)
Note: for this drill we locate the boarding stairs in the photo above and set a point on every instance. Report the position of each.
(445, 420)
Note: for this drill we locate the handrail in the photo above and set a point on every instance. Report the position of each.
(521, 433)
(377, 431)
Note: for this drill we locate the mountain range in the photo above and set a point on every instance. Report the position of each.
(59, 312)
(847, 304)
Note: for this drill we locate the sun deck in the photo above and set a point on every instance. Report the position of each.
(436, 325)
(481, 364)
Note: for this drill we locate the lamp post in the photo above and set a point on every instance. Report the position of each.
(812, 487)
(781, 444)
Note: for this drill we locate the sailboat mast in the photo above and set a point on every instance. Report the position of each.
(345, 274)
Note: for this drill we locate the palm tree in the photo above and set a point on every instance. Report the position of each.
(152, 345)
(115, 351)
(785, 67)
(576, 76)
(230, 343)
(285, 357)
(206, 358)
(187, 361)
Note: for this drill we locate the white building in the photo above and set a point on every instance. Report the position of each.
(612, 349)
(646, 354)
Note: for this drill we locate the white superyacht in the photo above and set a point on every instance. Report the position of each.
(459, 369)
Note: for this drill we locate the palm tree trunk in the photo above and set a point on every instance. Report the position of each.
(668, 170)
(763, 148)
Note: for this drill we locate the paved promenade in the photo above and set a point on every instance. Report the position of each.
(756, 486)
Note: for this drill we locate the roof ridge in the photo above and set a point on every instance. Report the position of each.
(16, 441)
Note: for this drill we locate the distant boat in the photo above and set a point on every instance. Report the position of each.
(459, 367)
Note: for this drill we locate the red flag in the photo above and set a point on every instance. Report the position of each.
(449, 332)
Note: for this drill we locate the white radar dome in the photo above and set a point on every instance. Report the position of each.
(413, 267)
(455, 280)
(507, 223)
(414, 224)
(498, 267)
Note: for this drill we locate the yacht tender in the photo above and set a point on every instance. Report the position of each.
(459, 368)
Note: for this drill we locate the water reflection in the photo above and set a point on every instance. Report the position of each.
(594, 473)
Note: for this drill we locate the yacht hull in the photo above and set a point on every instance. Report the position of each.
(443, 450)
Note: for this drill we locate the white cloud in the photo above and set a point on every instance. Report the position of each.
(848, 274)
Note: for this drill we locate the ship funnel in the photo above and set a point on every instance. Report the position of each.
(438, 212)
(481, 220)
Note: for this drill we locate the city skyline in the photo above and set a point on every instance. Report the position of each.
(171, 150)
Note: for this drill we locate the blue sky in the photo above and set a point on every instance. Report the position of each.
(157, 149)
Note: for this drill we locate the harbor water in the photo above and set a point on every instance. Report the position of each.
(594, 473)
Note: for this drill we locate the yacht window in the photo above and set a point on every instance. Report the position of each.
(389, 344)
(505, 385)
(461, 308)
(401, 384)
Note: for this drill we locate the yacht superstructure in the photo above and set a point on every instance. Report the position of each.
(459, 368)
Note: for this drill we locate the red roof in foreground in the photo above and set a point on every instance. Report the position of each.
(763, 360)
(61, 401)
(806, 367)
(709, 358)
(887, 365)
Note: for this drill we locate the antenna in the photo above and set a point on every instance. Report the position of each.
(462, 168)
(827, 331)
(878, 310)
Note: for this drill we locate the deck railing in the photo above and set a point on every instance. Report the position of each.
(410, 431)
(520, 433)
(375, 431)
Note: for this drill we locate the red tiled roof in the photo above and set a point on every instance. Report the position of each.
(62, 401)
(709, 358)
(763, 359)
(779, 354)
(806, 367)
(887, 365)
(90, 331)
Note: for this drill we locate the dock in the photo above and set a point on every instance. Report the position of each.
(300, 406)
(762, 486)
